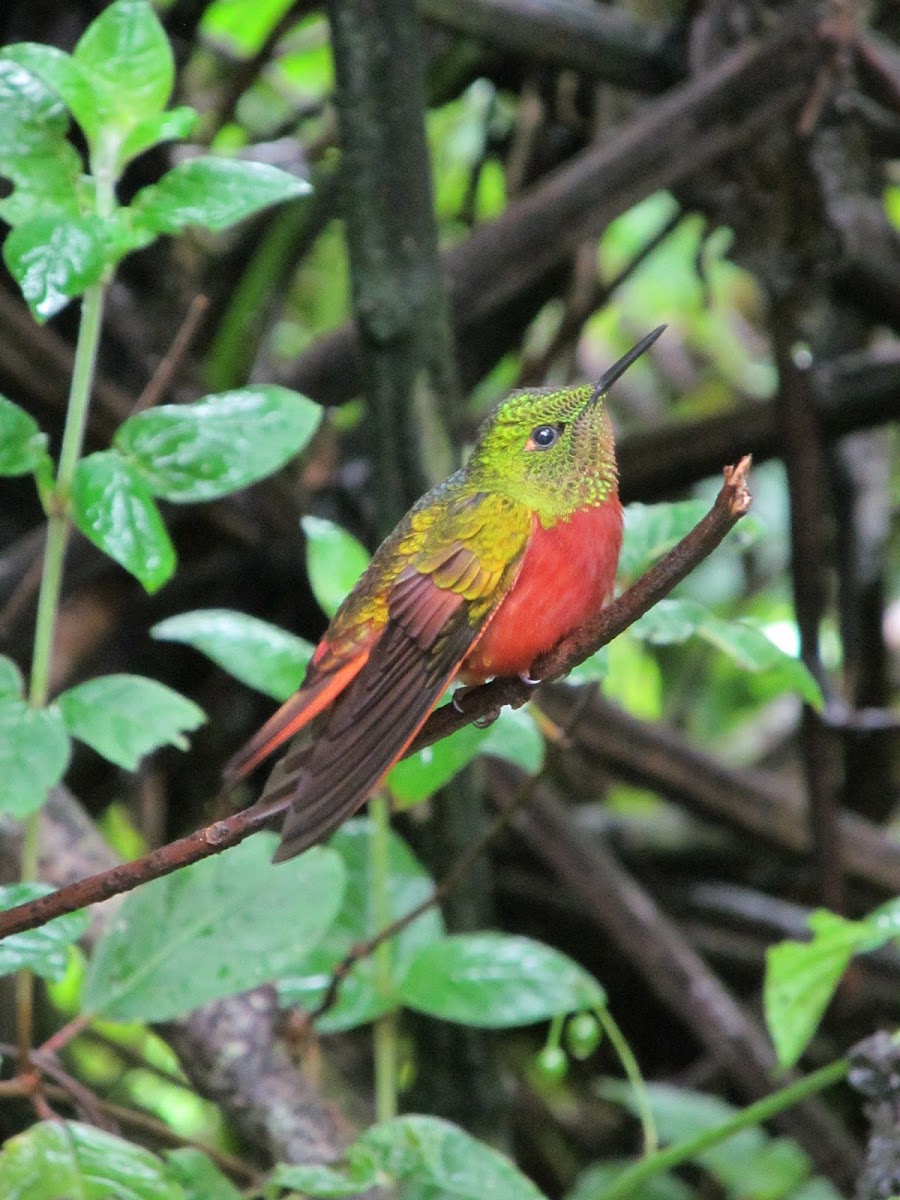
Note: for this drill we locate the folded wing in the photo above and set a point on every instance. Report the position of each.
(438, 607)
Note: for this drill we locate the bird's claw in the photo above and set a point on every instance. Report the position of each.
(487, 718)
(526, 678)
(457, 697)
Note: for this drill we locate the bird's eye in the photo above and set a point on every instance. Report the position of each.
(544, 436)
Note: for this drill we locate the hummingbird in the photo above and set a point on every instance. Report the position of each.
(490, 569)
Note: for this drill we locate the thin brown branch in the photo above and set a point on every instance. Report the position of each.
(170, 363)
(760, 805)
(732, 502)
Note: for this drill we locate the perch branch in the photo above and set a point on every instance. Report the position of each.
(732, 502)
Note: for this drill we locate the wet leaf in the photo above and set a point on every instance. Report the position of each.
(114, 509)
(124, 717)
(126, 55)
(359, 1001)
(64, 79)
(201, 451)
(61, 1159)
(53, 258)
(22, 445)
(259, 654)
(207, 931)
(334, 560)
(44, 950)
(496, 981)
(213, 193)
(34, 752)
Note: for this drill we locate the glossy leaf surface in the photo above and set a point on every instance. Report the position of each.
(113, 507)
(34, 752)
(124, 717)
(207, 931)
(67, 1159)
(44, 950)
(497, 981)
(359, 1001)
(201, 451)
(256, 652)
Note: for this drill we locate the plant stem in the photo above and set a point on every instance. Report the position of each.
(58, 526)
(635, 1078)
(385, 1031)
(635, 1176)
(48, 598)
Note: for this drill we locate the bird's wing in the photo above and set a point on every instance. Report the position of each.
(321, 686)
(438, 605)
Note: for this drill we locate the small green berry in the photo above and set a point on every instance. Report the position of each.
(551, 1064)
(583, 1035)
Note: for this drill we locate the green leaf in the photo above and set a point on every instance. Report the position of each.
(359, 1001)
(44, 950)
(749, 1165)
(113, 508)
(433, 1160)
(593, 670)
(243, 29)
(53, 258)
(207, 931)
(801, 977)
(12, 684)
(64, 79)
(198, 1176)
(669, 621)
(22, 445)
(496, 981)
(416, 778)
(34, 152)
(62, 1159)
(171, 126)
(259, 654)
(753, 651)
(34, 752)
(126, 56)
(515, 737)
(201, 451)
(334, 561)
(124, 717)
(213, 193)
(330, 1183)
(653, 529)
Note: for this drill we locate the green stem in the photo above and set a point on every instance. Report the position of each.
(48, 599)
(635, 1078)
(635, 1176)
(385, 1032)
(58, 526)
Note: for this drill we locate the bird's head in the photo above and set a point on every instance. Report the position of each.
(552, 449)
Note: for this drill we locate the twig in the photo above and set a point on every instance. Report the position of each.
(171, 361)
(732, 502)
(67, 1088)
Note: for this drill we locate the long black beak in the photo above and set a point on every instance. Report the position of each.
(605, 382)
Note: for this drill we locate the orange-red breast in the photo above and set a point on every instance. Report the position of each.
(487, 571)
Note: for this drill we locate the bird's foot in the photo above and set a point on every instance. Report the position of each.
(459, 694)
(526, 678)
(487, 718)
